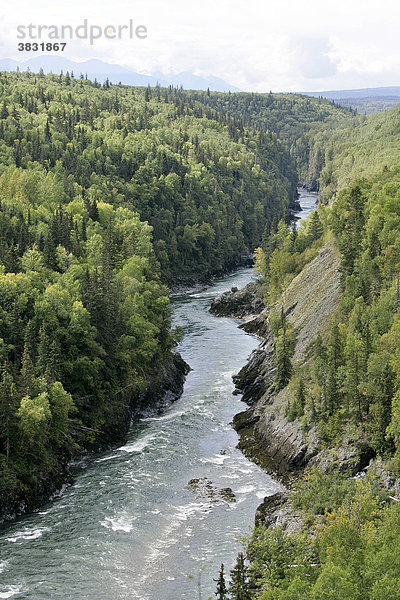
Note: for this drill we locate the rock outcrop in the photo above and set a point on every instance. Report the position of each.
(239, 303)
(277, 511)
(165, 386)
(266, 434)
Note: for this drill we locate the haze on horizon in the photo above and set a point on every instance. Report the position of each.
(283, 45)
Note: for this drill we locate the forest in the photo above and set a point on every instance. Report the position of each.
(349, 389)
(295, 119)
(107, 194)
(204, 181)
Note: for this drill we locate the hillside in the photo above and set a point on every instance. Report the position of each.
(206, 184)
(296, 119)
(323, 386)
(369, 150)
(365, 100)
(106, 193)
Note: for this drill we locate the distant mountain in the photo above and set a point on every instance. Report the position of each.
(97, 69)
(378, 92)
(365, 100)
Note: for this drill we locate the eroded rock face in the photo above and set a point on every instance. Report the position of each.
(312, 298)
(266, 435)
(164, 386)
(277, 511)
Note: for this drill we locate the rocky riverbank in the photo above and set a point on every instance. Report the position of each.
(245, 303)
(266, 434)
(164, 385)
(188, 286)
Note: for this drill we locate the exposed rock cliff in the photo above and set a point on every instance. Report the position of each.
(277, 511)
(266, 435)
(309, 303)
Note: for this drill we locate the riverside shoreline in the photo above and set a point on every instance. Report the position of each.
(266, 436)
(164, 386)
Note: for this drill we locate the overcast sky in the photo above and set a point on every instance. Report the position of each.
(283, 45)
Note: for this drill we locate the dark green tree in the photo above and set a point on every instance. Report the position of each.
(239, 581)
(222, 591)
(283, 363)
(8, 406)
(315, 228)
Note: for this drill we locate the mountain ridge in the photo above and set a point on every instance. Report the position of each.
(100, 70)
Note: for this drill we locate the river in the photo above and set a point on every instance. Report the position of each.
(131, 527)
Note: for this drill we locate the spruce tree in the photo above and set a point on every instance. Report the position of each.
(334, 362)
(315, 229)
(293, 238)
(222, 591)
(282, 361)
(239, 585)
(300, 398)
(49, 252)
(27, 373)
(8, 406)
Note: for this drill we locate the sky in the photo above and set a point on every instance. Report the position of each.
(255, 45)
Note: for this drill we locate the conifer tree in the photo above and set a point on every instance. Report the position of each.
(316, 228)
(27, 373)
(283, 354)
(239, 585)
(300, 398)
(8, 407)
(222, 591)
(334, 362)
(293, 237)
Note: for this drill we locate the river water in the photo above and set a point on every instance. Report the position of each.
(131, 527)
(308, 203)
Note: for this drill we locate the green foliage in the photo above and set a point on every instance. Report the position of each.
(239, 583)
(297, 120)
(352, 553)
(221, 591)
(317, 492)
(205, 181)
(295, 408)
(352, 382)
(106, 194)
(364, 150)
(287, 250)
(353, 379)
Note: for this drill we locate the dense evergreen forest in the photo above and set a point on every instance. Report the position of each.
(110, 193)
(204, 181)
(349, 389)
(107, 193)
(297, 120)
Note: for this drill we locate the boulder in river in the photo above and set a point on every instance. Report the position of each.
(239, 303)
(204, 488)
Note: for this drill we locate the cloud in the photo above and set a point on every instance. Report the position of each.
(274, 44)
(312, 57)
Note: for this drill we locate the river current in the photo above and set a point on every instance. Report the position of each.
(151, 520)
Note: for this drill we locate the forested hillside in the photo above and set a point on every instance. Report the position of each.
(83, 318)
(346, 393)
(106, 194)
(205, 182)
(297, 120)
(369, 150)
(355, 371)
